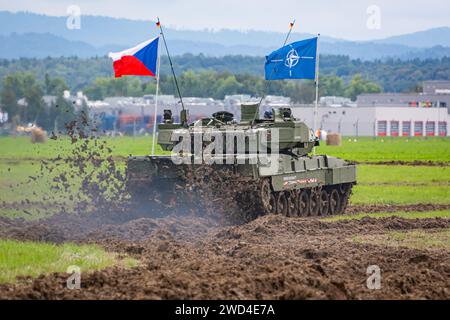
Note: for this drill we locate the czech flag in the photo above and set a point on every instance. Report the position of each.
(138, 61)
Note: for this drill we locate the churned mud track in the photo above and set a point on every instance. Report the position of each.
(416, 163)
(272, 257)
(375, 208)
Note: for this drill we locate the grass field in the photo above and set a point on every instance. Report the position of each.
(381, 184)
(364, 150)
(33, 259)
(377, 184)
(367, 149)
(20, 148)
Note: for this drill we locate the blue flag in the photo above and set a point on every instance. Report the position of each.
(294, 61)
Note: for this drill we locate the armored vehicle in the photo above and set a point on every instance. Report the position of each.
(249, 167)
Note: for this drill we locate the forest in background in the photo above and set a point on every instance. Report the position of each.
(391, 75)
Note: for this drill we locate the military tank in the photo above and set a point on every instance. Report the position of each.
(252, 167)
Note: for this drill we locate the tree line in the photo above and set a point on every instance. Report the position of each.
(217, 85)
(22, 97)
(392, 75)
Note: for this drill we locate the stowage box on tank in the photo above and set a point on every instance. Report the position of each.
(258, 166)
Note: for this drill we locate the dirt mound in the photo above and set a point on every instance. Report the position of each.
(272, 257)
(92, 228)
(24, 231)
(186, 228)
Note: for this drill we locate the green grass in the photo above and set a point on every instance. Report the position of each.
(364, 150)
(391, 149)
(20, 148)
(34, 258)
(381, 184)
(445, 214)
(415, 239)
(411, 175)
(400, 194)
(16, 184)
(16, 188)
(14, 173)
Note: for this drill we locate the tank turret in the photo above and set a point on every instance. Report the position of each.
(293, 136)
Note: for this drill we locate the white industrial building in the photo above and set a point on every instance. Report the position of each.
(378, 121)
(385, 114)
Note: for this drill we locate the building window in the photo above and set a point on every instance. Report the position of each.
(406, 128)
(442, 128)
(430, 128)
(382, 128)
(418, 128)
(394, 128)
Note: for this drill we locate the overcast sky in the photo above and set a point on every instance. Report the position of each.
(347, 19)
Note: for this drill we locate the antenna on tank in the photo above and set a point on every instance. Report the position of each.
(158, 23)
(291, 26)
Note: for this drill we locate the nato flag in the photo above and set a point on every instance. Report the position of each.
(294, 61)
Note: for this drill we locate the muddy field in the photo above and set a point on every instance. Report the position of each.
(273, 257)
(199, 254)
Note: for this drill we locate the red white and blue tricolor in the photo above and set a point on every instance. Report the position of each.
(140, 60)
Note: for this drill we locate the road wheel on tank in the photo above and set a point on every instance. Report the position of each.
(303, 203)
(343, 206)
(324, 207)
(267, 197)
(335, 201)
(314, 203)
(344, 203)
(292, 203)
(282, 203)
(272, 204)
(346, 192)
(344, 188)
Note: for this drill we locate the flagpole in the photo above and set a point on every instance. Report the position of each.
(316, 105)
(291, 26)
(156, 99)
(170, 62)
